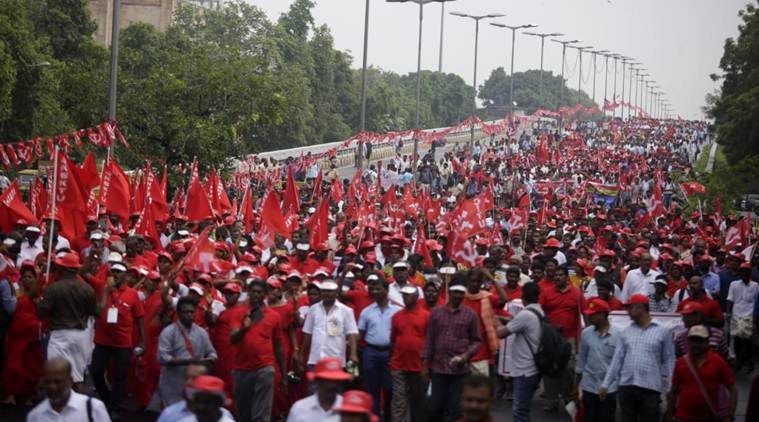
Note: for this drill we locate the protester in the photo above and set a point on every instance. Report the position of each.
(642, 364)
(180, 344)
(597, 347)
(523, 340)
(356, 407)
(62, 402)
(697, 377)
(476, 399)
(453, 337)
(697, 293)
(181, 409)
(328, 375)
(693, 314)
(410, 377)
(741, 297)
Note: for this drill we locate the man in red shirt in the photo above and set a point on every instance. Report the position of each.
(512, 288)
(407, 335)
(696, 381)
(562, 303)
(256, 337)
(121, 310)
(697, 293)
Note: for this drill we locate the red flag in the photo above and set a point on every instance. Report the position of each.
(336, 190)
(318, 185)
(318, 224)
(409, 202)
(156, 195)
(215, 190)
(12, 154)
(87, 174)
(12, 208)
(292, 198)
(420, 246)
(146, 225)
(202, 256)
(38, 198)
(115, 192)
(271, 215)
(71, 206)
(737, 234)
(542, 153)
(247, 215)
(691, 188)
(518, 219)
(198, 205)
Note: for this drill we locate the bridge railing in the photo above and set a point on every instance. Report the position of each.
(346, 156)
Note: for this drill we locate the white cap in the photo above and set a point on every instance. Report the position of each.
(359, 266)
(118, 266)
(114, 257)
(243, 243)
(97, 235)
(197, 288)
(409, 290)
(9, 242)
(302, 246)
(452, 199)
(34, 229)
(311, 210)
(183, 232)
(243, 268)
(372, 277)
(327, 285)
(320, 271)
(457, 288)
(400, 264)
(350, 274)
(600, 269)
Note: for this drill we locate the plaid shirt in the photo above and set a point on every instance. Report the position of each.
(451, 332)
(643, 358)
(663, 305)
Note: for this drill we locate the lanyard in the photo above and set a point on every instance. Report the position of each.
(187, 342)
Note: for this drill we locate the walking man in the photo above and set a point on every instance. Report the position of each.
(374, 326)
(523, 339)
(642, 364)
(453, 337)
(597, 346)
(740, 304)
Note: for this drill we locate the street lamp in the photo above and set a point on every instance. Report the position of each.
(114, 65)
(421, 4)
(563, 59)
(542, 45)
(614, 93)
(579, 78)
(362, 113)
(630, 90)
(595, 53)
(511, 78)
(477, 20)
(625, 60)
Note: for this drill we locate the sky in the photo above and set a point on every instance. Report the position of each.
(678, 42)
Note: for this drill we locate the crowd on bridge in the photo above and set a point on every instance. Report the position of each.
(579, 266)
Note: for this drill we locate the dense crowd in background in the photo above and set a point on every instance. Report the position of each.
(492, 274)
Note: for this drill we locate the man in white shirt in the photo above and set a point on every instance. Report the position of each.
(740, 304)
(639, 280)
(31, 245)
(328, 375)
(400, 274)
(63, 403)
(328, 327)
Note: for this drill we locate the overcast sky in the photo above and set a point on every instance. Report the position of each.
(679, 42)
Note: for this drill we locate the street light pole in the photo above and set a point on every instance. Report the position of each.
(542, 46)
(511, 77)
(579, 78)
(362, 118)
(563, 60)
(614, 94)
(442, 22)
(477, 20)
(113, 79)
(624, 65)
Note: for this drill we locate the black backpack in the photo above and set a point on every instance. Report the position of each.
(554, 351)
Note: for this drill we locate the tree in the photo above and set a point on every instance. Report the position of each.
(495, 91)
(735, 108)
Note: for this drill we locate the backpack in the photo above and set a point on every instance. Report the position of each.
(554, 351)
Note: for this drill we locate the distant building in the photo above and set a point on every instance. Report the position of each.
(158, 13)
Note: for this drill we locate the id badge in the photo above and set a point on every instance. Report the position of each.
(113, 315)
(334, 327)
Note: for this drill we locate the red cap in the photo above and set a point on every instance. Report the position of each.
(68, 260)
(367, 244)
(596, 305)
(232, 287)
(321, 247)
(691, 307)
(356, 401)
(166, 255)
(746, 266)
(274, 282)
(329, 369)
(249, 257)
(609, 253)
(637, 299)
(208, 384)
(552, 243)
(350, 250)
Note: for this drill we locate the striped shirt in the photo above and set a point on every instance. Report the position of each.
(645, 357)
(717, 342)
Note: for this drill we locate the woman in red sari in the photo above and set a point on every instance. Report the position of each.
(24, 359)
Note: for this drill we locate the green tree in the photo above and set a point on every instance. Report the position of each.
(494, 92)
(735, 108)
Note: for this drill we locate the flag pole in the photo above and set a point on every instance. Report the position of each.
(56, 163)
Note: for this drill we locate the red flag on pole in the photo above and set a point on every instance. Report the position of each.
(12, 208)
(115, 191)
(292, 198)
(271, 215)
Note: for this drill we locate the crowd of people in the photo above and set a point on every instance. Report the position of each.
(571, 263)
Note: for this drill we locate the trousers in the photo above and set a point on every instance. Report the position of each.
(638, 404)
(446, 397)
(375, 369)
(254, 394)
(524, 390)
(409, 396)
(101, 357)
(599, 410)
